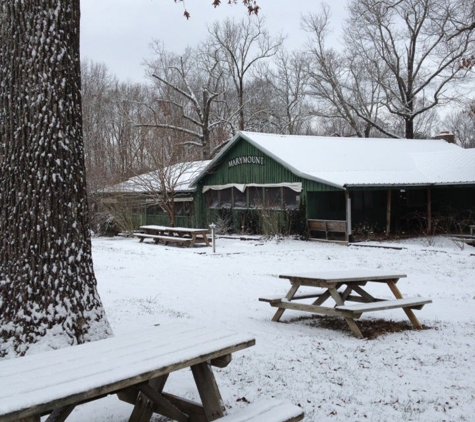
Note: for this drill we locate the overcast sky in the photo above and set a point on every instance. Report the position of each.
(118, 32)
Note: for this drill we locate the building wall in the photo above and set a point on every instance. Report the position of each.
(244, 164)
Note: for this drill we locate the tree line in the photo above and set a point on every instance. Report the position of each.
(402, 69)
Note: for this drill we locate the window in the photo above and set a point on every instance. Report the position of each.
(212, 199)
(183, 208)
(219, 198)
(255, 197)
(225, 198)
(291, 198)
(273, 198)
(239, 199)
(231, 196)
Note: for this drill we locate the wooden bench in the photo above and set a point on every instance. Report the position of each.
(410, 302)
(328, 226)
(135, 366)
(174, 239)
(278, 299)
(165, 239)
(143, 236)
(269, 411)
(181, 235)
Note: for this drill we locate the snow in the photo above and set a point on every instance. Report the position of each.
(179, 176)
(365, 161)
(408, 376)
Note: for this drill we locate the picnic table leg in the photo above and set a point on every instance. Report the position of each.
(208, 390)
(364, 294)
(205, 238)
(346, 293)
(351, 323)
(60, 414)
(322, 298)
(144, 405)
(410, 314)
(289, 296)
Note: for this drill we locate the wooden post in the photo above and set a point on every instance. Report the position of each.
(388, 212)
(398, 295)
(208, 391)
(348, 215)
(429, 210)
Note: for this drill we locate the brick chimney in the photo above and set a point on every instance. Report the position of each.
(446, 135)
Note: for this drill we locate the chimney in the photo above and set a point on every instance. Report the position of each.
(447, 136)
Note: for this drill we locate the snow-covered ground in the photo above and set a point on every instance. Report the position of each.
(426, 375)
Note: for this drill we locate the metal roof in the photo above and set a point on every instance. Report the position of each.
(346, 162)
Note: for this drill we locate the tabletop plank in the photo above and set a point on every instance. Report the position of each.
(355, 274)
(175, 229)
(77, 373)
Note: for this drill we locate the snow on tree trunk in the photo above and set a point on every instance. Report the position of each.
(48, 294)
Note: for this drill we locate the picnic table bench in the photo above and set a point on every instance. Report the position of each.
(353, 282)
(179, 235)
(328, 226)
(136, 368)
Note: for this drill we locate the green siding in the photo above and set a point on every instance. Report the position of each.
(263, 169)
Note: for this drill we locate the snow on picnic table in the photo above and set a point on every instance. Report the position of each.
(408, 376)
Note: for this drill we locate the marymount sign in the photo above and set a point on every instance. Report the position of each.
(247, 159)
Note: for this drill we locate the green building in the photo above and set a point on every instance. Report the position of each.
(162, 197)
(267, 183)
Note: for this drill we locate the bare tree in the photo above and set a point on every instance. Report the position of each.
(461, 123)
(287, 80)
(126, 142)
(425, 124)
(241, 46)
(96, 89)
(165, 186)
(187, 87)
(339, 83)
(413, 49)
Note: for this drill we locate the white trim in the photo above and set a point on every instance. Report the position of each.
(297, 186)
(238, 186)
(153, 201)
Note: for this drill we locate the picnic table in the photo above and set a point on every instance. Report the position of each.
(135, 367)
(343, 286)
(180, 235)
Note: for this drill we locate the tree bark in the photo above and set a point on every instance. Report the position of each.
(48, 292)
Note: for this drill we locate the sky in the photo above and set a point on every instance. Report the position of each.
(118, 32)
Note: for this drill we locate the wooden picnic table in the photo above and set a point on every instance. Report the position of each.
(134, 366)
(181, 235)
(343, 286)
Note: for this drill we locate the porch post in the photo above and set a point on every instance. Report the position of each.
(348, 215)
(388, 212)
(429, 210)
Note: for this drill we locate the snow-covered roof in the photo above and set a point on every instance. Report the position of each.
(179, 175)
(344, 162)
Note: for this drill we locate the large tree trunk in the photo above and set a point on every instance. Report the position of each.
(48, 294)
